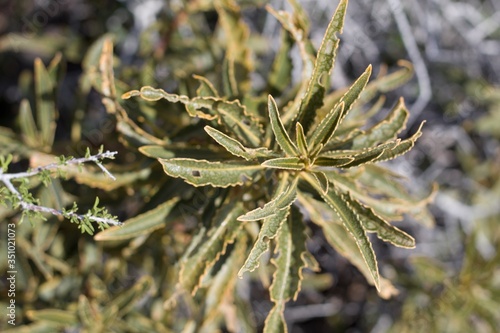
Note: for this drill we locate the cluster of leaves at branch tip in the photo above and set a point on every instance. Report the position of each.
(307, 150)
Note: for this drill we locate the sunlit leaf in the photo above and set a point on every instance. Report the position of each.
(235, 147)
(202, 172)
(326, 127)
(323, 66)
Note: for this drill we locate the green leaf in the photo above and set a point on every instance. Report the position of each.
(327, 161)
(385, 231)
(287, 163)
(27, 124)
(402, 148)
(301, 140)
(354, 91)
(370, 154)
(327, 127)
(214, 244)
(386, 130)
(127, 299)
(45, 107)
(321, 180)
(289, 264)
(283, 199)
(202, 172)
(235, 147)
(281, 70)
(141, 224)
(269, 230)
(279, 131)
(339, 202)
(323, 66)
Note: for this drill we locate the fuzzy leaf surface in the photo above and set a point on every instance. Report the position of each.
(202, 172)
(323, 66)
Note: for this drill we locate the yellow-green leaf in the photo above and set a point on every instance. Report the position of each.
(370, 154)
(402, 147)
(287, 163)
(327, 126)
(141, 224)
(202, 172)
(301, 140)
(60, 317)
(206, 88)
(27, 124)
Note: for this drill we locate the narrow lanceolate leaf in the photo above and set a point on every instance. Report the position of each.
(285, 196)
(354, 91)
(129, 298)
(351, 221)
(202, 172)
(235, 147)
(327, 126)
(301, 140)
(287, 163)
(323, 66)
(279, 131)
(327, 161)
(269, 230)
(281, 71)
(27, 124)
(144, 223)
(371, 154)
(45, 107)
(385, 231)
(55, 316)
(223, 232)
(386, 130)
(403, 147)
(289, 264)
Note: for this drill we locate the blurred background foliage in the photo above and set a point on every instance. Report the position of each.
(449, 283)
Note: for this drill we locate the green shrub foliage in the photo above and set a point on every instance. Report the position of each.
(231, 174)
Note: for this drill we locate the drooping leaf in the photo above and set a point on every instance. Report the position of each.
(339, 202)
(323, 66)
(279, 131)
(141, 224)
(284, 197)
(202, 172)
(235, 147)
(289, 264)
(385, 130)
(213, 245)
(286, 163)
